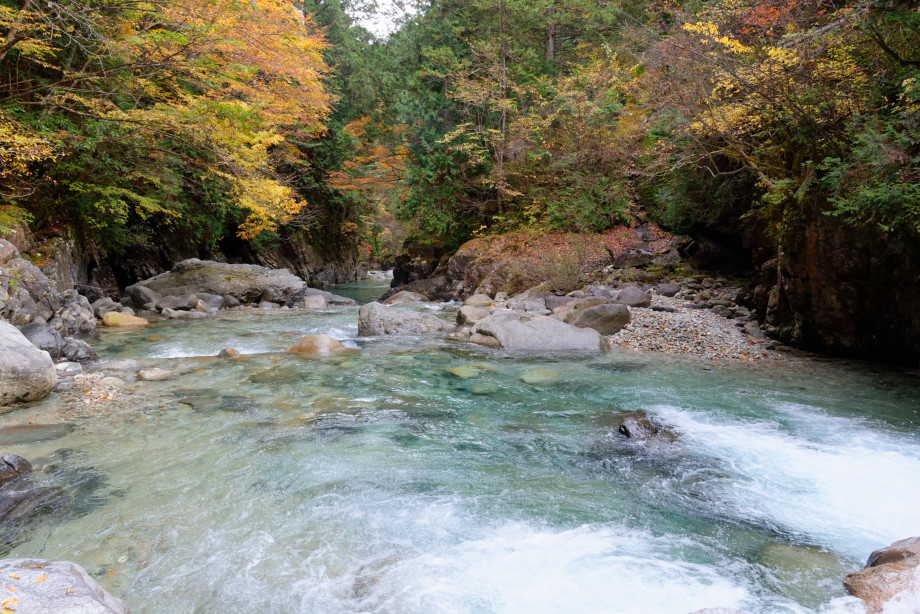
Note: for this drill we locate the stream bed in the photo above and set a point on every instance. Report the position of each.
(376, 481)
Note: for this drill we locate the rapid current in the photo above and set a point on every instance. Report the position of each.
(376, 481)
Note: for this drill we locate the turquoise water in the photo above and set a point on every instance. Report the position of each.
(375, 481)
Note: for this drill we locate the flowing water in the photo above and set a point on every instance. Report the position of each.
(376, 481)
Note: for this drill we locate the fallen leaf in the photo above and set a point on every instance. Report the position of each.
(14, 576)
(68, 591)
(41, 578)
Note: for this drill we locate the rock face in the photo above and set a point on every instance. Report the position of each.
(57, 587)
(315, 344)
(514, 331)
(376, 319)
(26, 373)
(245, 282)
(889, 571)
(843, 290)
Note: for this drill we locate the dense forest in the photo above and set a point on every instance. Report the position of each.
(209, 121)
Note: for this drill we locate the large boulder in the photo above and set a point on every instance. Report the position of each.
(245, 282)
(44, 338)
(606, 319)
(315, 344)
(140, 295)
(26, 373)
(634, 297)
(376, 319)
(889, 571)
(57, 587)
(514, 331)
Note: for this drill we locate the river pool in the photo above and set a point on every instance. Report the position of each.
(376, 481)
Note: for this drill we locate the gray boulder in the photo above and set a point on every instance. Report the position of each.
(606, 319)
(638, 427)
(26, 373)
(58, 587)
(634, 297)
(530, 305)
(553, 302)
(245, 282)
(44, 338)
(104, 305)
(213, 301)
(186, 302)
(141, 295)
(376, 319)
(77, 350)
(668, 288)
(228, 302)
(514, 331)
(470, 315)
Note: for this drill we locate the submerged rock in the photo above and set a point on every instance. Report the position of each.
(315, 344)
(229, 353)
(637, 426)
(57, 587)
(153, 374)
(31, 433)
(26, 373)
(376, 319)
(888, 572)
(116, 319)
(463, 372)
(538, 377)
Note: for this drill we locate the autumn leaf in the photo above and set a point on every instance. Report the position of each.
(41, 578)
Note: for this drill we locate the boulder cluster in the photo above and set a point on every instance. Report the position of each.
(196, 287)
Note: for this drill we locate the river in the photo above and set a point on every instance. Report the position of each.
(376, 481)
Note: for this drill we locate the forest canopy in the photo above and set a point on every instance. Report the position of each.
(471, 116)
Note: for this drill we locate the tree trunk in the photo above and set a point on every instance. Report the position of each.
(550, 34)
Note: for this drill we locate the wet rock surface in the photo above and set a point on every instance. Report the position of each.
(56, 587)
(889, 572)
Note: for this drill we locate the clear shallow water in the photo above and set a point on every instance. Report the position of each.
(377, 482)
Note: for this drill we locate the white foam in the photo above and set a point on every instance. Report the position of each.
(519, 569)
(853, 494)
